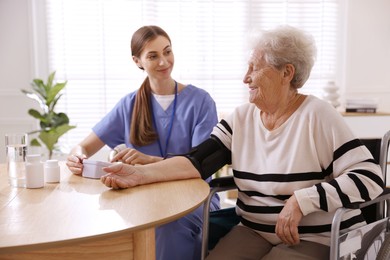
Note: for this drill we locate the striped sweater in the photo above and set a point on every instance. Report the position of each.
(313, 155)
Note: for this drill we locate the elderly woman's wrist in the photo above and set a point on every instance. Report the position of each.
(157, 159)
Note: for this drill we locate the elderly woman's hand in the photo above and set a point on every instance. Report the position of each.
(121, 176)
(288, 221)
(133, 156)
(75, 163)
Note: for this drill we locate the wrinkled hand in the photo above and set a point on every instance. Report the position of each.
(133, 156)
(121, 176)
(288, 221)
(75, 163)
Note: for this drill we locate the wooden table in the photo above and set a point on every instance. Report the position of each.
(80, 218)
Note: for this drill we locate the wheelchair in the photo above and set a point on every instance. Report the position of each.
(368, 242)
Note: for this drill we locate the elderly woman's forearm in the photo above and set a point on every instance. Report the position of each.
(176, 168)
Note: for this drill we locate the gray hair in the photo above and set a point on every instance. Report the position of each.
(288, 45)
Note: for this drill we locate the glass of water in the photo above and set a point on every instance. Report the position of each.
(16, 150)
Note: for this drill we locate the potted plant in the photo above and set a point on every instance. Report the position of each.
(53, 125)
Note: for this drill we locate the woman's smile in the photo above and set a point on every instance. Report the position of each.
(164, 70)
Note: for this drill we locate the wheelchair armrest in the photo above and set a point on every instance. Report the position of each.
(359, 205)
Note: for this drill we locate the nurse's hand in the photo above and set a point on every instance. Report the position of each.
(121, 176)
(133, 157)
(288, 221)
(75, 163)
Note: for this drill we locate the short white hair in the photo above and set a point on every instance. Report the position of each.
(287, 45)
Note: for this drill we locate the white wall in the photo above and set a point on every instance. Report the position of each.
(15, 69)
(366, 58)
(367, 52)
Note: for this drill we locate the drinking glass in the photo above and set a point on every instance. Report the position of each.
(16, 150)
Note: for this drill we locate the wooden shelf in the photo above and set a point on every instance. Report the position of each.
(343, 113)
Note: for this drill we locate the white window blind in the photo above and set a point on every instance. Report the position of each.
(89, 46)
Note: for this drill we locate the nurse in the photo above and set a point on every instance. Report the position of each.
(162, 118)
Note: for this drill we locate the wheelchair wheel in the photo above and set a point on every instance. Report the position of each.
(384, 252)
(372, 242)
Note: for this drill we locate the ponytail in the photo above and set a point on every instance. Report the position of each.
(141, 126)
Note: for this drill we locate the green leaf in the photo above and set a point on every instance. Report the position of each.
(34, 113)
(39, 87)
(52, 93)
(47, 120)
(50, 138)
(50, 81)
(60, 119)
(27, 92)
(35, 142)
(54, 103)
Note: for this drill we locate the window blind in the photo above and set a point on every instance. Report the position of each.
(89, 46)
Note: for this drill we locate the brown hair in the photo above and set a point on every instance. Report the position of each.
(142, 131)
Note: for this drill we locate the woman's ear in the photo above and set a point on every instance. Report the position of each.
(137, 62)
(288, 72)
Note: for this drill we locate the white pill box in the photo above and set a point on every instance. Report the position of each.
(94, 169)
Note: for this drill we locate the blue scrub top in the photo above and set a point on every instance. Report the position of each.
(194, 119)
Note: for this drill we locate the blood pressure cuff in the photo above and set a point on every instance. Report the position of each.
(209, 156)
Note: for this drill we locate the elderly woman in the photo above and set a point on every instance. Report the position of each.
(294, 159)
